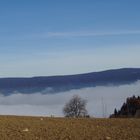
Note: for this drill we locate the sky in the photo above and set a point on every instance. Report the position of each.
(59, 37)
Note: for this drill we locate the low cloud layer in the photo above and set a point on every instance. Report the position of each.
(101, 101)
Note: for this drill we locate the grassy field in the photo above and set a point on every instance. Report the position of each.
(40, 128)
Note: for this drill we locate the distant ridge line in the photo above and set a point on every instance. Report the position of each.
(53, 84)
(70, 74)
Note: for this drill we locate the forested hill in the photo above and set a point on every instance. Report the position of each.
(53, 84)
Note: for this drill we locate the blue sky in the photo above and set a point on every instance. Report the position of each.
(56, 37)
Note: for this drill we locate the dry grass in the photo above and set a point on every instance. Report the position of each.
(37, 128)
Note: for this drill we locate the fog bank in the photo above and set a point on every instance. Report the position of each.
(101, 101)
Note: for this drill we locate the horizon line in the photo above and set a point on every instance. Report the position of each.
(59, 75)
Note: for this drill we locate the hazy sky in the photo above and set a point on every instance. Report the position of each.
(50, 37)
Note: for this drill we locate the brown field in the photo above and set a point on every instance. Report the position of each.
(44, 128)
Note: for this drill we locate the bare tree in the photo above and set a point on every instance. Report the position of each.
(76, 107)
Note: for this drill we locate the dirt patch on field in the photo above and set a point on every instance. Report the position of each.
(43, 128)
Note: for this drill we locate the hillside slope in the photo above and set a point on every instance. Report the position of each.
(62, 83)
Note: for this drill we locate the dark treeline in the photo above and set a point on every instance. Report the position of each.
(131, 108)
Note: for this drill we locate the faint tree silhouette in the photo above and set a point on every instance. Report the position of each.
(76, 107)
